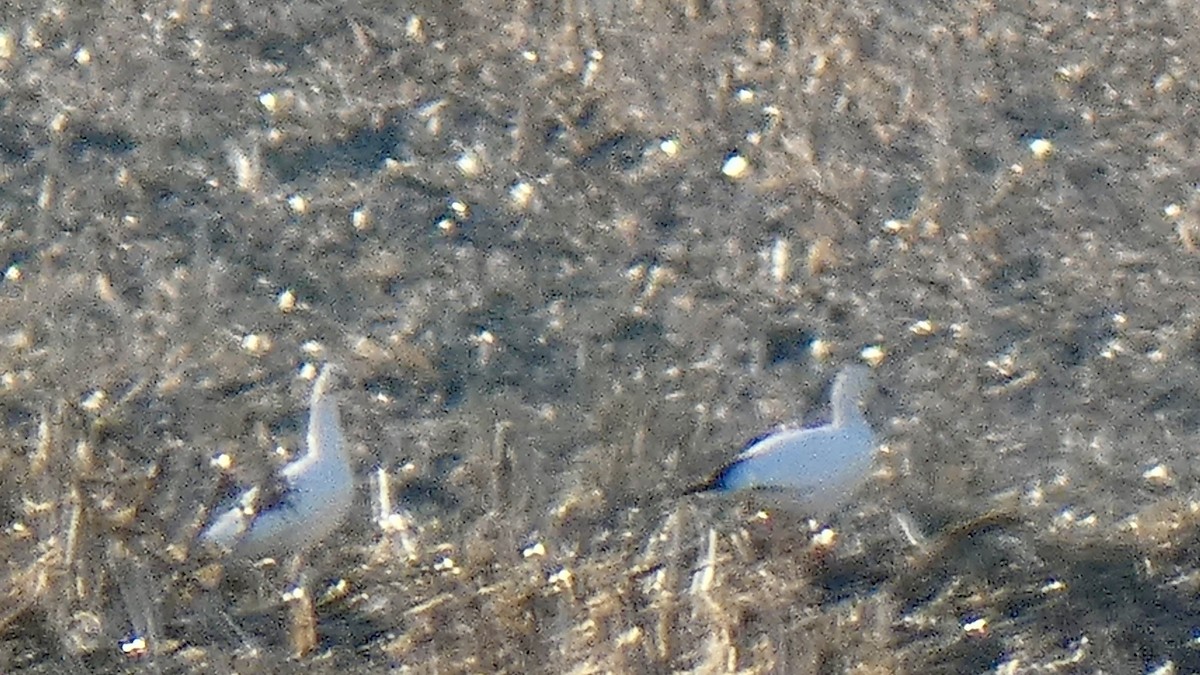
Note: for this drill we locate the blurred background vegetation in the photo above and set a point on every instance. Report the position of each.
(572, 255)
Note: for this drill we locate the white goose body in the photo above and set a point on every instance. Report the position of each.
(316, 491)
(820, 464)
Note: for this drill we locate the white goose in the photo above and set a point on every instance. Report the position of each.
(314, 494)
(820, 465)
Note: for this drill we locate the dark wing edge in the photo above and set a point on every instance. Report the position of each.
(718, 482)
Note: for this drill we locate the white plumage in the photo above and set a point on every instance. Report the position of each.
(821, 465)
(314, 494)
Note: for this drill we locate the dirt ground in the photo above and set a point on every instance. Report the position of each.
(571, 257)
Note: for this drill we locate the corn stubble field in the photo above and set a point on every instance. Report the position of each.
(571, 257)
